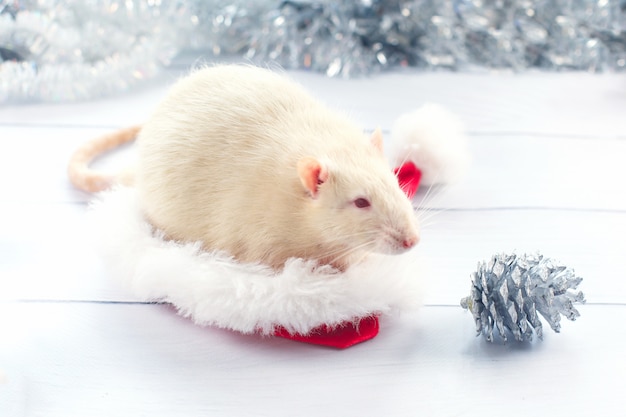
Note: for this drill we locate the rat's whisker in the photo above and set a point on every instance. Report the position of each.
(424, 214)
(343, 250)
(432, 192)
(403, 161)
(348, 251)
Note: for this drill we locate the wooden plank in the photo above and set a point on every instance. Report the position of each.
(548, 175)
(507, 171)
(33, 163)
(591, 243)
(48, 251)
(530, 171)
(490, 102)
(129, 360)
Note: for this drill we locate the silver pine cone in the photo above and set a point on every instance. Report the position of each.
(508, 291)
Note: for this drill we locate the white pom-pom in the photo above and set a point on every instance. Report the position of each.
(433, 139)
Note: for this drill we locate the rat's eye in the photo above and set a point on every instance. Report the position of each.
(362, 203)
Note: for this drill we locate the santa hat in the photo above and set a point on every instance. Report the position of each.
(304, 301)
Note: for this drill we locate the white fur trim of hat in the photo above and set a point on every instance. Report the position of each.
(216, 290)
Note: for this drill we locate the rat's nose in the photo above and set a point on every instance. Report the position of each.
(410, 241)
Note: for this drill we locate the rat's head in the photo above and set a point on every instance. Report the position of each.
(356, 201)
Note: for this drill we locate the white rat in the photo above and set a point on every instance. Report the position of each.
(245, 161)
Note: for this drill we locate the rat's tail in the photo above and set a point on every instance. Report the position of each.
(78, 168)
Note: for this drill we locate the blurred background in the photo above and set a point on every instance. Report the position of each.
(64, 51)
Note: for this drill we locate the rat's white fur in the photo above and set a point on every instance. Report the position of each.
(237, 227)
(213, 289)
(434, 140)
(218, 163)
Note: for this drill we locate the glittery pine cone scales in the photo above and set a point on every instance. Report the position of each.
(509, 291)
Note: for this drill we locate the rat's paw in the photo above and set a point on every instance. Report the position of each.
(434, 140)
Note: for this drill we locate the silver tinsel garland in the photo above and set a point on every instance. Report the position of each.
(509, 292)
(78, 49)
(73, 50)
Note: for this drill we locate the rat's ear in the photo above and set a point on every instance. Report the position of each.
(377, 140)
(312, 173)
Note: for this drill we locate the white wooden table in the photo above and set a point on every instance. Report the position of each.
(549, 175)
